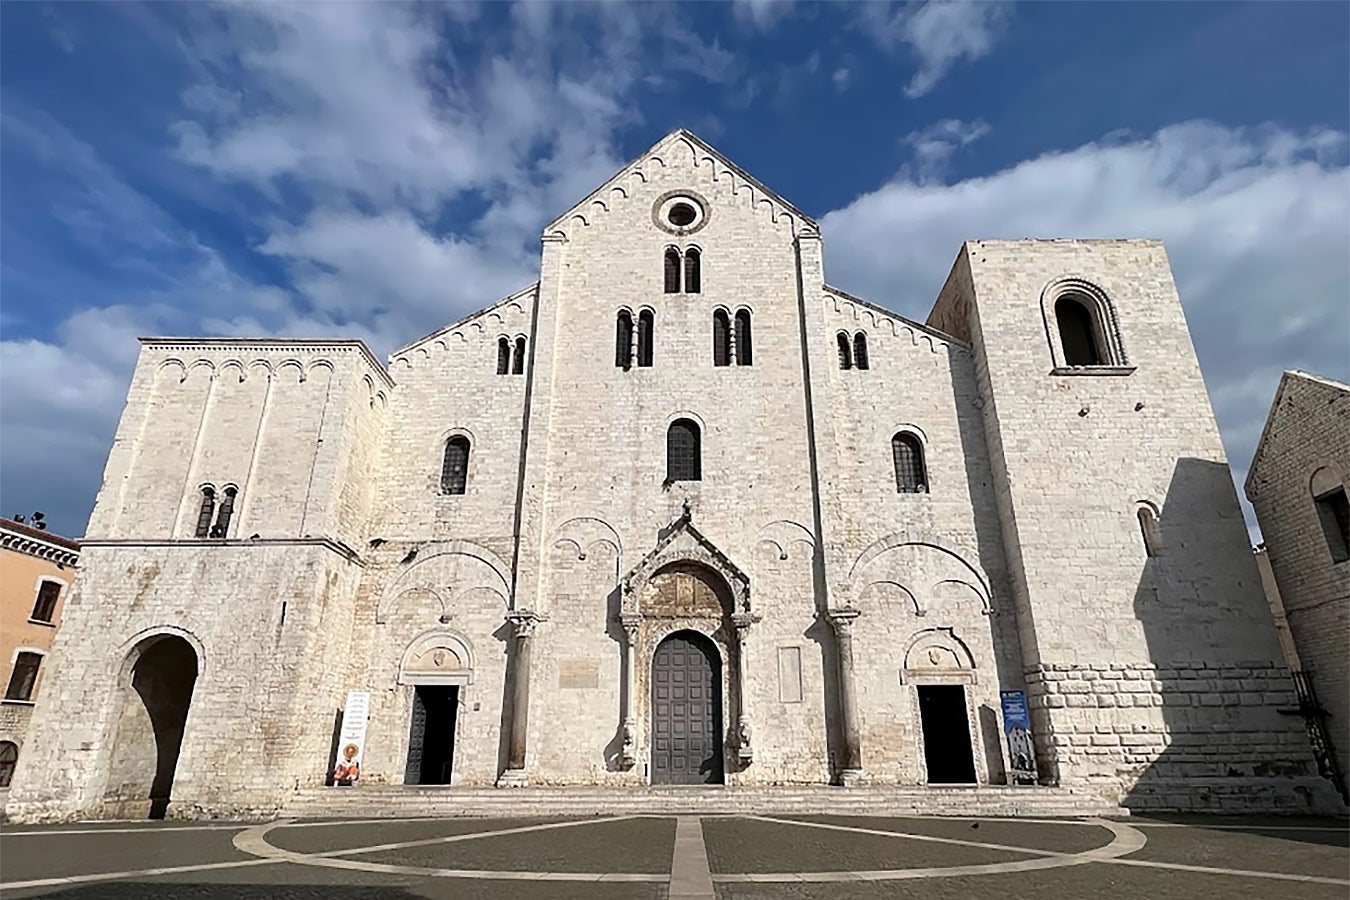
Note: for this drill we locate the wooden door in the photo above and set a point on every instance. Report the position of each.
(686, 712)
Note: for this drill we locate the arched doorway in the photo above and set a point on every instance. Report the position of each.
(163, 672)
(686, 711)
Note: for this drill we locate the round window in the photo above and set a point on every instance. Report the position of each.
(682, 215)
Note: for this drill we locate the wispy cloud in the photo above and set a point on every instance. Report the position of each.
(938, 33)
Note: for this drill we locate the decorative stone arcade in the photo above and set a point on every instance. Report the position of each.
(685, 584)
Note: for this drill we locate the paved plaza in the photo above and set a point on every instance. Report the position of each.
(681, 857)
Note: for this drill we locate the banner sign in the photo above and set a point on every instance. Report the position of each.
(352, 738)
(1021, 749)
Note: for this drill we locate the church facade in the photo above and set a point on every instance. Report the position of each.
(681, 512)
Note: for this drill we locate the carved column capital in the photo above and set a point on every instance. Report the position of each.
(842, 619)
(523, 622)
(742, 622)
(630, 622)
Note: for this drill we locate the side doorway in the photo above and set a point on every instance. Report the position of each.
(431, 737)
(947, 749)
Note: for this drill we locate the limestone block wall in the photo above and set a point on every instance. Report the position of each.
(258, 617)
(1075, 453)
(1305, 451)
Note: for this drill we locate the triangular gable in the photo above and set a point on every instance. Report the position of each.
(680, 541)
(884, 314)
(518, 297)
(1288, 378)
(678, 140)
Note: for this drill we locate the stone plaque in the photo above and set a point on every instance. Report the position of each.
(790, 674)
(578, 674)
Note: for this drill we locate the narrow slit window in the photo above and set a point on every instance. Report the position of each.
(1077, 333)
(845, 352)
(222, 527)
(721, 338)
(455, 468)
(1333, 511)
(23, 679)
(860, 351)
(693, 275)
(911, 476)
(206, 512)
(744, 348)
(518, 358)
(683, 454)
(672, 270)
(1150, 531)
(623, 340)
(44, 610)
(646, 326)
(503, 356)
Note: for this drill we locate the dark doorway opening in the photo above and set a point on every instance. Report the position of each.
(946, 734)
(686, 711)
(431, 741)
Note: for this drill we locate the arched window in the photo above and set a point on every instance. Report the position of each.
(222, 526)
(503, 356)
(911, 476)
(692, 274)
(455, 468)
(860, 351)
(845, 352)
(518, 358)
(683, 454)
(623, 340)
(672, 270)
(9, 758)
(1150, 531)
(207, 511)
(1076, 333)
(646, 326)
(744, 350)
(721, 338)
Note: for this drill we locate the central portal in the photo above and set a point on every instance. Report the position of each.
(686, 711)
(431, 741)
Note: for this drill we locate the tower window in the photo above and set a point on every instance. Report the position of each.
(518, 358)
(845, 352)
(860, 351)
(623, 340)
(683, 453)
(911, 476)
(692, 270)
(503, 356)
(646, 327)
(206, 512)
(743, 341)
(24, 677)
(721, 338)
(672, 270)
(222, 527)
(1333, 511)
(455, 467)
(1076, 333)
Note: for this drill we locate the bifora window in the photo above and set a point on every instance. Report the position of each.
(44, 610)
(455, 466)
(683, 453)
(744, 348)
(226, 512)
(845, 351)
(23, 678)
(206, 512)
(623, 340)
(503, 356)
(645, 333)
(721, 338)
(860, 351)
(911, 476)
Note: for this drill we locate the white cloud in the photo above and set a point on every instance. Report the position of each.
(933, 146)
(762, 14)
(940, 33)
(1256, 224)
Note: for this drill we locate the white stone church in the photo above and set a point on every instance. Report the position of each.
(680, 512)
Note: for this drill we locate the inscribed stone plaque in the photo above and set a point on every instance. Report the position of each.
(790, 674)
(578, 674)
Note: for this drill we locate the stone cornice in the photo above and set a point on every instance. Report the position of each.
(52, 547)
(280, 345)
(337, 547)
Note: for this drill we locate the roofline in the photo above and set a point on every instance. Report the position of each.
(1285, 378)
(532, 286)
(272, 343)
(697, 141)
(26, 530)
(927, 329)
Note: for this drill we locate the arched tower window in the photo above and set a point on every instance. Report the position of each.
(455, 467)
(518, 358)
(206, 512)
(503, 356)
(1150, 531)
(744, 348)
(721, 338)
(623, 340)
(860, 351)
(672, 270)
(684, 460)
(222, 526)
(693, 275)
(1076, 333)
(845, 352)
(911, 475)
(646, 327)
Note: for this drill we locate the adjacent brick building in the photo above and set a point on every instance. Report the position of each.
(36, 571)
(1297, 485)
(680, 511)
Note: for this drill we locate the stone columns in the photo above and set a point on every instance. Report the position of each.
(742, 622)
(628, 752)
(842, 618)
(522, 624)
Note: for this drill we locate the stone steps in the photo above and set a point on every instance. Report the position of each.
(398, 801)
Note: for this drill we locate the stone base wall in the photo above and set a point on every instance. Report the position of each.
(1180, 736)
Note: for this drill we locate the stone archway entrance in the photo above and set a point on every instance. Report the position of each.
(686, 711)
(144, 757)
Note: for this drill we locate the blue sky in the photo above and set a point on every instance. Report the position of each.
(375, 170)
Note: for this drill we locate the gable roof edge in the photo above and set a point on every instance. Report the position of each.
(919, 326)
(445, 329)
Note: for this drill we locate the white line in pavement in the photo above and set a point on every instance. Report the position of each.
(690, 878)
(132, 873)
(149, 829)
(1217, 870)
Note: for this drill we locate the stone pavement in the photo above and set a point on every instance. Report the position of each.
(685, 857)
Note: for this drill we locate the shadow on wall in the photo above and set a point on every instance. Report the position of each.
(1217, 732)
